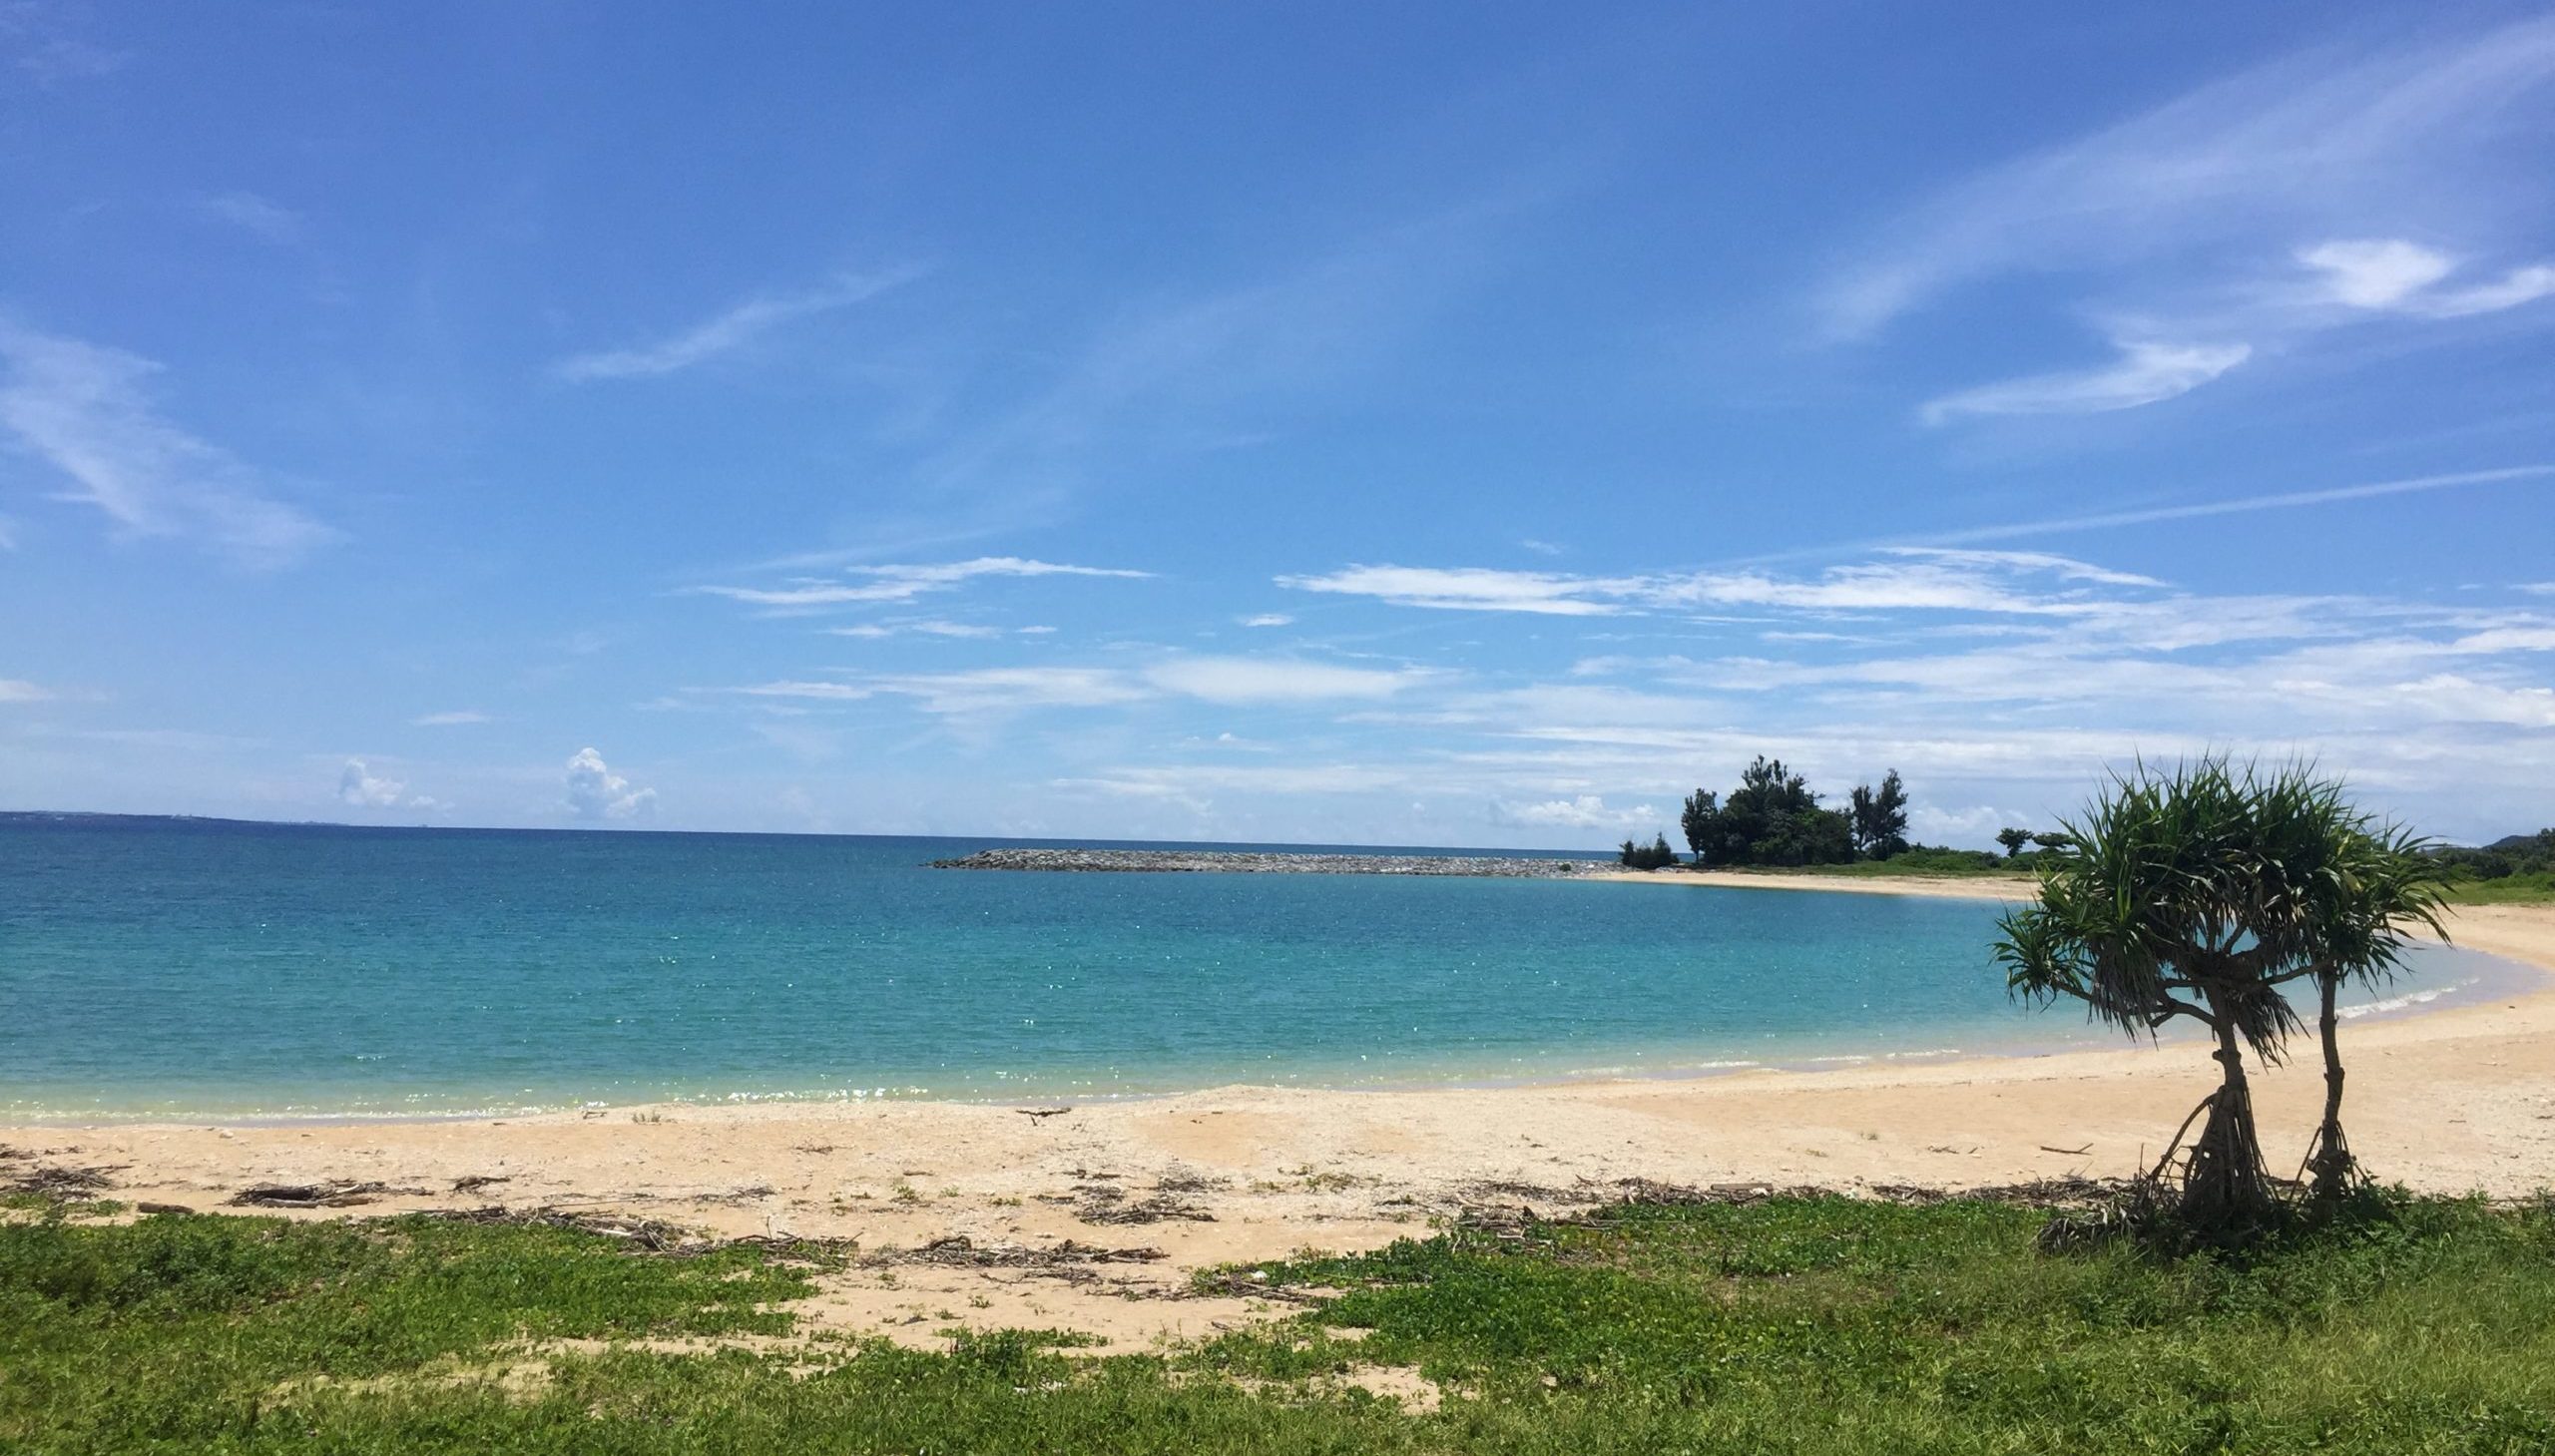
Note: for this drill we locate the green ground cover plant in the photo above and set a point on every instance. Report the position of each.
(1792, 1324)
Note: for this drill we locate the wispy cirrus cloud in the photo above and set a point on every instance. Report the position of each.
(2238, 505)
(877, 584)
(19, 690)
(86, 410)
(929, 627)
(2237, 219)
(2378, 133)
(732, 328)
(260, 218)
(1907, 579)
(2146, 372)
(1225, 680)
(461, 717)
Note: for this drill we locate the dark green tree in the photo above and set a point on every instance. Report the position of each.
(2013, 840)
(1700, 821)
(1880, 818)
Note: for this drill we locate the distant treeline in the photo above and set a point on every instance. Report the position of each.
(1775, 819)
(2520, 854)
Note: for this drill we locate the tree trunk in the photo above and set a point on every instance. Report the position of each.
(2330, 1160)
(2225, 1186)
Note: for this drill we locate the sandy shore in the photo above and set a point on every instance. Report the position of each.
(2016, 887)
(2449, 1100)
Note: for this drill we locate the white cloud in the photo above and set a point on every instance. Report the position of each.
(1476, 588)
(260, 218)
(2146, 373)
(1585, 811)
(821, 692)
(450, 719)
(2520, 286)
(2376, 274)
(18, 690)
(1275, 679)
(902, 583)
(1911, 579)
(84, 409)
(732, 329)
(2396, 276)
(876, 630)
(594, 791)
(1006, 690)
(1269, 618)
(359, 787)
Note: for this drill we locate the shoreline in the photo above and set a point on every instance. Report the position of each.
(2451, 1099)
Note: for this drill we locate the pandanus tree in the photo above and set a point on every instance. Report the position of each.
(2199, 893)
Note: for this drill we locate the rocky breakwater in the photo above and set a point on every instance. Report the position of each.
(1238, 861)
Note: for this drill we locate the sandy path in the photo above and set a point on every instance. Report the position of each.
(2450, 1100)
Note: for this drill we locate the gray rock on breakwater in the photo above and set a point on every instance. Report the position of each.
(1237, 862)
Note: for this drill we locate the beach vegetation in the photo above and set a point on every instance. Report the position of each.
(1879, 817)
(1653, 855)
(1773, 818)
(2200, 892)
(1806, 1324)
(2516, 870)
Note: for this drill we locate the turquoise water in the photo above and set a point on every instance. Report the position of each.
(184, 968)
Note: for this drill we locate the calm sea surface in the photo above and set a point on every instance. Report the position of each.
(160, 968)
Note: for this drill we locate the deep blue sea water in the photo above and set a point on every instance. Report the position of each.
(208, 969)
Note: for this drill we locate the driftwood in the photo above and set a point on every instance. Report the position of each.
(1100, 1203)
(335, 1193)
(59, 1183)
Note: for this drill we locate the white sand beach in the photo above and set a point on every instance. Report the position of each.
(2449, 1100)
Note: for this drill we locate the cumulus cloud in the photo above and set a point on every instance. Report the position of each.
(1583, 811)
(359, 787)
(86, 410)
(2145, 374)
(873, 584)
(730, 330)
(595, 793)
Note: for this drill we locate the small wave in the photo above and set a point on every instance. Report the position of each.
(2404, 1002)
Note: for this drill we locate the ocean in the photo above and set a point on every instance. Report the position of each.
(193, 969)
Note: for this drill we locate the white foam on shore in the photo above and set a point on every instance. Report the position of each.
(2405, 1002)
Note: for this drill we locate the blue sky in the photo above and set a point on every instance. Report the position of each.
(1436, 424)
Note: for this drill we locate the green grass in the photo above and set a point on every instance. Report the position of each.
(1796, 1325)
